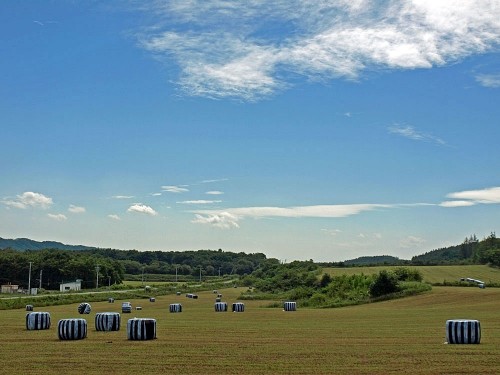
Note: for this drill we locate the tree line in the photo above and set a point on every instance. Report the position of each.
(56, 266)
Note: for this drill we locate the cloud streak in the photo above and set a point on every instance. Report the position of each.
(411, 133)
(229, 49)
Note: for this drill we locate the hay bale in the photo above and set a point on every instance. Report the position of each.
(126, 307)
(107, 321)
(218, 299)
(111, 300)
(152, 299)
(220, 306)
(175, 308)
(178, 293)
(238, 307)
(138, 308)
(29, 307)
(463, 331)
(141, 329)
(195, 296)
(290, 306)
(219, 295)
(84, 308)
(72, 329)
(37, 320)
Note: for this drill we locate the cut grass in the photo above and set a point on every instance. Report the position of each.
(404, 336)
(431, 274)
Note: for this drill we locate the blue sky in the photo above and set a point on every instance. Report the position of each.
(302, 129)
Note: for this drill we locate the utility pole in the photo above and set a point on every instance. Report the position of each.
(29, 281)
(97, 276)
(175, 273)
(109, 282)
(41, 279)
(200, 274)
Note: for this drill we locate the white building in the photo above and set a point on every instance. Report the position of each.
(74, 285)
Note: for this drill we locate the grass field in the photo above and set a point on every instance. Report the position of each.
(403, 336)
(431, 274)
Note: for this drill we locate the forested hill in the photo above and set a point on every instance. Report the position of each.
(374, 260)
(22, 244)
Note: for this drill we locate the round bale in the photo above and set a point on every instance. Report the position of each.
(84, 308)
(37, 320)
(107, 321)
(72, 329)
(290, 306)
(238, 307)
(175, 308)
(220, 306)
(141, 329)
(463, 331)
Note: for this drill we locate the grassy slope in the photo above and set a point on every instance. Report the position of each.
(431, 274)
(400, 336)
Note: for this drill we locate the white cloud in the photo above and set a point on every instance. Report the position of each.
(143, 209)
(411, 133)
(30, 199)
(175, 189)
(214, 180)
(324, 211)
(76, 209)
(214, 192)
(486, 196)
(457, 204)
(114, 217)
(200, 201)
(122, 196)
(412, 241)
(223, 220)
(489, 80)
(331, 232)
(57, 217)
(228, 48)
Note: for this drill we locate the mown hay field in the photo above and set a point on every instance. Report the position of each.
(431, 274)
(404, 336)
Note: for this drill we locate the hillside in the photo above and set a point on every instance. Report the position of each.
(22, 244)
(374, 260)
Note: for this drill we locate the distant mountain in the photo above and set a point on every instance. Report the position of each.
(374, 260)
(22, 244)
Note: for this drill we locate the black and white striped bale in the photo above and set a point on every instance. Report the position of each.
(238, 307)
(29, 307)
(37, 320)
(175, 308)
(463, 331)
(152, 299)
(290, 306)
(72, 329)
(220, 306)
(84, 308)
(218, 299)
(141, 329)
(111, 300)
(107, 321)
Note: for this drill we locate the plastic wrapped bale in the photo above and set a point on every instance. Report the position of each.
(141, 329)
(138, 308)
(126, 307)
(84, 308)
(29, 307)
(195, 296)
(463, 331)
(218, 299)
(111, 300)
(37, 320)
(220, 306)
(178, 293)
(152, 299)
(72, 329)
(238, 307)
(107, 321)
(175, 308)
(290, 306)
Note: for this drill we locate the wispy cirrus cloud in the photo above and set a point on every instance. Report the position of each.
(76, 209)
(57, 217)
(175, 189)
(214, 192)
(29, 199)
(410, 132)
(142, 209)
(199, 201)
(489, 80)
(472, 197)
(232, 49)
(122, 196)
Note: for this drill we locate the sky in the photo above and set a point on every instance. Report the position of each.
(324, 130)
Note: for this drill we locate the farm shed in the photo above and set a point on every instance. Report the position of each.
(74, 285)
(9, 288)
